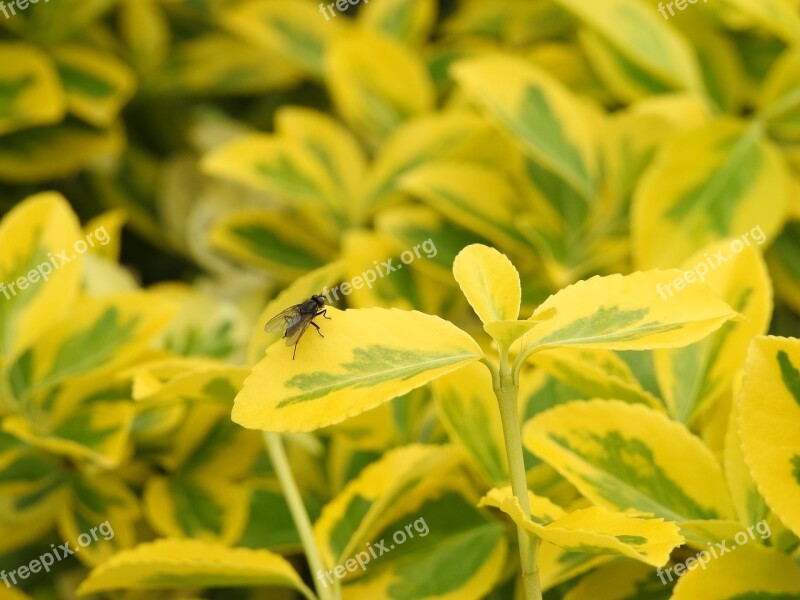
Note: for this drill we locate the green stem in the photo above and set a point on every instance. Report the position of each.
(506, 390)
(280, 462)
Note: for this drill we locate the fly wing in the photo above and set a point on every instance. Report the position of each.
(284, 320)
(296, 331)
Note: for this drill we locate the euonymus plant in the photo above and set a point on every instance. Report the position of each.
(582, 390)
(370, 356)
(527, 486)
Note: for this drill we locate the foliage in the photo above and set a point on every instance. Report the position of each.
(588, 376)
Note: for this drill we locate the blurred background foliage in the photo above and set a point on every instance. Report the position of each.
(238, 145)
(115, 103)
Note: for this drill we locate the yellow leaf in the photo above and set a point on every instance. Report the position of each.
(618, 581)
(750, 506)
(101, 510)
(557, 566)
(624, 78)
(627, 312)
(149, 378)
(777, 98)
(594, 529)
(55, 151)
(776, 16)
(719, 181)
(157, 422)
(634, 135)
(550, 124)
(421, 491)
(642, 37)
(210, 445)
(13, 594)
(274, 241)
(107, 228)
(334, 149)
(293, 29)
(371, 431)
(272, 164)
(401, 478)
(86, 418)
(207, 324)
(207, 508)
(99, 336)
(516, 23)
(596, 373)
(376, 82)
(460, 191)
(97, 85)
(625, 456)
(490, 282)
(38, 284)
(769, 424)
(217, 64)
(751, 571)
(456, 136)
(28, 508)
(204, 380)
(176, 564)
(144, 27)
(569, 64)
(691, 378)
(367, 357)
(32, 93)
(408, 20)
(365, 256)
(409, 225)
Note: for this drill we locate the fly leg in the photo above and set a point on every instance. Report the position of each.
(323, 314)
(318, 329)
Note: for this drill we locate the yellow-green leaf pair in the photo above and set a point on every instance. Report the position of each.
(372, 355)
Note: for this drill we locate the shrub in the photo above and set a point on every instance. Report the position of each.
(557, 244)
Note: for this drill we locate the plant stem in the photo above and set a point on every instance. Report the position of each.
(506, 390)
(277, 455)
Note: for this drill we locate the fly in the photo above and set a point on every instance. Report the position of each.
(295, 320)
